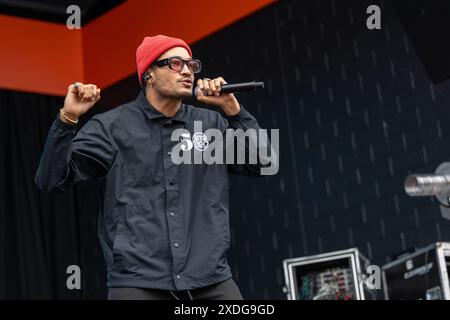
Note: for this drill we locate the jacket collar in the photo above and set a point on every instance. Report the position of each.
(152, 113)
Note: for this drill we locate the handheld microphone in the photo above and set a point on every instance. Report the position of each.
(237, 87)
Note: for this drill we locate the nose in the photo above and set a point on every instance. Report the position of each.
(186, 70)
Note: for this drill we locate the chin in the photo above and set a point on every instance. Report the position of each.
(185, 93)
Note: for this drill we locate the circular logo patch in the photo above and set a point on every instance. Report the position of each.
(200, 141)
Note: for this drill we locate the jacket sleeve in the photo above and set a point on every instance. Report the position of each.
(71, 156)
(248, 150)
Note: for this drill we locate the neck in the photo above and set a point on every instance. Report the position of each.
(167, 106)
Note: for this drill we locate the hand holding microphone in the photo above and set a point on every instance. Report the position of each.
(217, 92)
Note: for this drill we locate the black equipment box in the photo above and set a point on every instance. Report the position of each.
(420, 275)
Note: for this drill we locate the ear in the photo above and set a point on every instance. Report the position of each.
(146, 76)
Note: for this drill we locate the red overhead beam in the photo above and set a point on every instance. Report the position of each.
(45, 57)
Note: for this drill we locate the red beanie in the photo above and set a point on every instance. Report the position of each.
(152, 47)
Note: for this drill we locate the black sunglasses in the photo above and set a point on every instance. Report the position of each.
(177, 64)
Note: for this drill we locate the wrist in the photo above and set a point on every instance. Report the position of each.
(68, 117)
(232, 108)
(71, 114)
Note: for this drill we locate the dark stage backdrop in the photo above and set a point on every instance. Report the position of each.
(356, 112)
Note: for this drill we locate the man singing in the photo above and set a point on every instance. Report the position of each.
(163, 227)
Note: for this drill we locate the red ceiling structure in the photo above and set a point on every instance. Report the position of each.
(45, 57)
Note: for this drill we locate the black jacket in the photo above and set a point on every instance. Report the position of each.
(161, 225)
